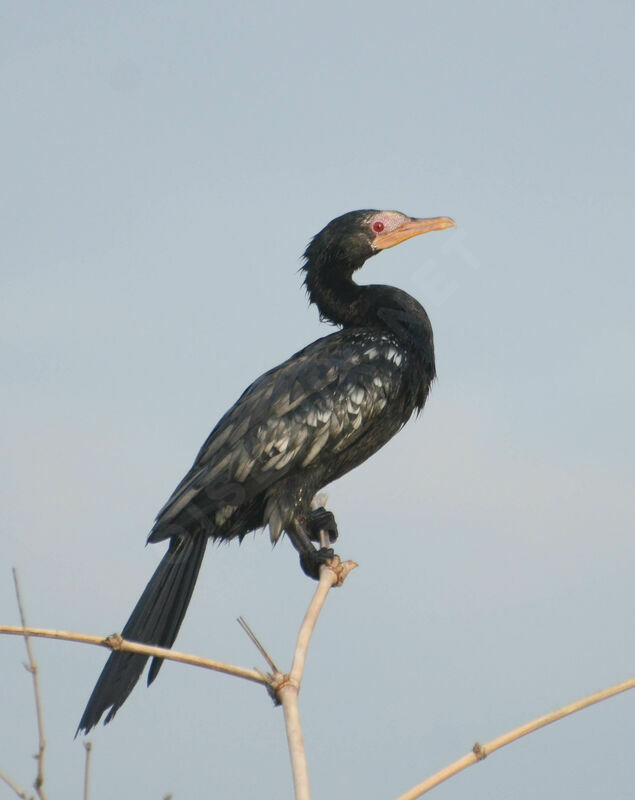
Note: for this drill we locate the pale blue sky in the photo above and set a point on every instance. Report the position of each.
(164, 165)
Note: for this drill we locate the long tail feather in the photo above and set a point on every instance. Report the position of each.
(156, 619)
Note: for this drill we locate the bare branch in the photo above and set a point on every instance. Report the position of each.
(332, 574)
(288, 694)
(20, 793)
(88, 748)
(32, 668)
(115, 642)
(325, 539)
(284, 687)
(480, 751)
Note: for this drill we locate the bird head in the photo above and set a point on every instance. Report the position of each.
(351, 239)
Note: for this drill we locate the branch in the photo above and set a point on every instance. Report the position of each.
(480, 751)
(115, 642)
(20, 793)
(287, 687)
(284, 687)
(87, 747)
(32, 668)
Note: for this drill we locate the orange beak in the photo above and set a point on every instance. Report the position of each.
(413, 227)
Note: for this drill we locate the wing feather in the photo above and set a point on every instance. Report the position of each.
(319, 401)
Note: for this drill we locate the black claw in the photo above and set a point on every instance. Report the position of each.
(312, 560)
(321, 520)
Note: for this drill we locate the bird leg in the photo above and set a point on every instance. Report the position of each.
(311, 559)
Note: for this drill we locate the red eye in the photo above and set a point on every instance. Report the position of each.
(378, 226)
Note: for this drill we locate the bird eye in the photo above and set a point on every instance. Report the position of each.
(378, 226)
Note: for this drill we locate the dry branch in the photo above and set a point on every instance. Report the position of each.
(332, 574)
(115, 642)
(19, 792)
(284, 687)
(88, 748)
(480, 751)
(32, 668)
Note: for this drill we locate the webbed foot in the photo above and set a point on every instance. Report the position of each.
(321, 520)
(312, 560)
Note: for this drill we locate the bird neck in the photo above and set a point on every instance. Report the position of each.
(341, 301)
(338, 298)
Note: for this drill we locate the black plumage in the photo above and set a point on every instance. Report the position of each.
(296, 428)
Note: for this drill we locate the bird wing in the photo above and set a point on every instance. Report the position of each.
(325, 396)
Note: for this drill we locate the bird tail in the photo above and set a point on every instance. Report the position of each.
(156, 620)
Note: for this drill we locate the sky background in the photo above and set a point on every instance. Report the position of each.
(163, 166)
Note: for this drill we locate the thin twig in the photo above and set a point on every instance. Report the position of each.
(20, 792)
(32, 668)
(287, 691)
(479, 751)
(88, 748)
(256, 642)
(115, 642)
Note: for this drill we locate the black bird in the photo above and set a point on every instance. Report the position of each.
(295, 429)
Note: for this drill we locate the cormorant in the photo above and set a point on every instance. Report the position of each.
(295, 429)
